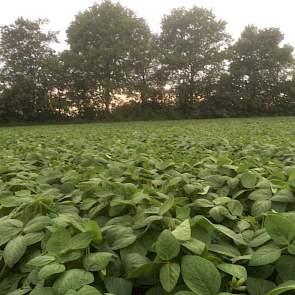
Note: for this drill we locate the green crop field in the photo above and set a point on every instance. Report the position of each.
(187, 207)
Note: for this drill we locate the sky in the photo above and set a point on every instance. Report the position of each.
(237, 13)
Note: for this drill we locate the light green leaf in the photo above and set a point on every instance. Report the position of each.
(167, 246)
(195, 246)
(97, 261)
(41, 260)
(72, 279)
(200, 275)
(248, 180)
(50, 269)
(237, 271)
(282, 288)
(169, 274)
(265, 255)
(80, 241)
(183, 231)
(280, 229)
(118, 286)
(14, 251)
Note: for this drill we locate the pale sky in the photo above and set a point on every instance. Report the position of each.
(237, 13)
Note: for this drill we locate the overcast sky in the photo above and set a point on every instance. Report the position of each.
(237, 13)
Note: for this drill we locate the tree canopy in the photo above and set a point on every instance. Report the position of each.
(115, 67)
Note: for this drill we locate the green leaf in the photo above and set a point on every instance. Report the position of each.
(41, 260)
(14, 251)
(235, 207)
(230, 233)
(195, 246)
(169, 274)
(167, 205)
(80, 241)
(50, 269)
(118, 286)
(282, 288)
(225, 249)
(9, 228)
(248, 180)
(167, 246)
(97, 261)
(183, 231)
(260, 239)
(92, 226)
(280, 229)
(58, 241)
(286, 267)
(72, 279)
(33, 238)
(257, 286)
(237, 271)
(37, 224)
(200, 275)
(89, 290)
(265, 255)
(42, 291)
(260, 207)
(119, 236)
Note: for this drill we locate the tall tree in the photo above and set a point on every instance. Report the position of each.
(193, 43)
(260, 66)
(106, 39)
(25, 54)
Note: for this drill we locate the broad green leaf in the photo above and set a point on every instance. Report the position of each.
(230, 233)
(195, 246)
(282, 288)
(72, 279)
(167, 205)
(286, 267)
(280, 229)
(237, 271)
(265, 255)
(183, 231)
(36, 224)
(200, 275)
(33, 238)
(9, 228)
(14, 251)
(39, 261)
(225, 249)
(58, 241)
(257, 286)
(92, 226)
(167, 246)
(42, 291)
(248, 180)
(119, 236)
(169, 274)
(97, 261)
(260, 207)
(89, 290)
(260, 239)
(118, 286)
(50, 269)
(80, 241)
(235, 207)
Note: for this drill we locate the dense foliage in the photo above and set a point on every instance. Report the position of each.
(116, 68)
(195, 207)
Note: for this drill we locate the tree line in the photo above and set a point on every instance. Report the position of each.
(116, 68)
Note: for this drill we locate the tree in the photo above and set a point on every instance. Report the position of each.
(259, 68)
(25, 55)
(193, 43)
(106, 39)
